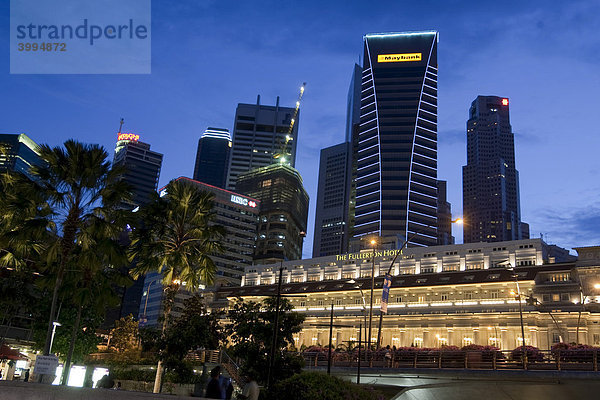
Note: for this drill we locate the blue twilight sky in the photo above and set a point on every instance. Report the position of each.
(207, 56)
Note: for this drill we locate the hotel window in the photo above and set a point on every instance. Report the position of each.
(348, 275)
(444, 296)
(596, 339)
(545, 298)
(475, 266)
(331, 276)
(358, 301)
(562, 277)
(468, 295)
(421, 299)
(313, 278)
(494, 294)
(467, 341)
(426, 270)
(303, 304)
(555, 297)
(565, 297)
(555, 338)
(453, 267)
(338, 302)
(418, 342)
(398, 299)
(320, 302)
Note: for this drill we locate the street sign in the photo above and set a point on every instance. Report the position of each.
(45, 365)
(385, 293)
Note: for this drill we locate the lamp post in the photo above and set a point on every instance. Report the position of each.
(147, 294)
(518, 297)
(54, 325)
(364, 309)
(373, 243)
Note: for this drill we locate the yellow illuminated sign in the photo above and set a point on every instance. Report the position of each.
(399, 57)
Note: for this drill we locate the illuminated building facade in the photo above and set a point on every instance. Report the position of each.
(142, 166)
(491, 205)
(260, 132)
(239, 215)
(444, 295)
(283, 211)
(396, 193)
(444, 216)
(212, 157)
(333, 198)
(21, 153)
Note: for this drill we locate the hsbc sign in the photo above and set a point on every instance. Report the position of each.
(242, 201)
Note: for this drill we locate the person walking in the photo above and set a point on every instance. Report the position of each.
(251, 389)
(213, 389)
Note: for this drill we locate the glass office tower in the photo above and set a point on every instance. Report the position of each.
(396, 182)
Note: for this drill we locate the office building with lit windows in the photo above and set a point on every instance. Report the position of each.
(396, 193)
(260, 133)
(20, 153)
(212, 157)
(491, 205)
(442, 295)
(238, 214)
(333, 197)
(283, 211)
(142, 167)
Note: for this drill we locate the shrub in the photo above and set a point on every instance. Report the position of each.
(533, 353)
(317, 385)
(574, 352)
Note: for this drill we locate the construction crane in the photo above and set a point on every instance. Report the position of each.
(282, 153)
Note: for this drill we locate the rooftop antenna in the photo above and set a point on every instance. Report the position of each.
(121, 124)
(281, 155)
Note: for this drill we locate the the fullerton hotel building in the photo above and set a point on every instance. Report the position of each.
(443, 295)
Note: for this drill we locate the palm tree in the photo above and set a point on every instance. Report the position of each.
(80, 186)
(92, 280)
(176, 238)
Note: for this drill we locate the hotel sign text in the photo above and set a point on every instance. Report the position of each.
(361, 256)
(399, 57)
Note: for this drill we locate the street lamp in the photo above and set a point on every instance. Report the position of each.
(147, 294)
(518, 297)
(54, 325)
(373, 244)
(362, 295)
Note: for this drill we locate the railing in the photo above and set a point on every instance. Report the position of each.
(232, 369)
(564, 360)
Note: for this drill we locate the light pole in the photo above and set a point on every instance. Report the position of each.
(147, 294)
(373, 243)
(54, 325)
(364, 309)
(518, 297)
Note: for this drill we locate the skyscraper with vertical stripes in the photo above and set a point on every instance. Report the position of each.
(396, 181)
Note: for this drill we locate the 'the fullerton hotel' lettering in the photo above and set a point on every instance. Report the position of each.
(399, 57)
(361, 256)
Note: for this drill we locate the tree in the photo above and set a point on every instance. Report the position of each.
(251, 332)
(176, 237)
(81, 187)
(125, 335)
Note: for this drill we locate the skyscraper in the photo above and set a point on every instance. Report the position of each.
(396, 193)
(333, 197)
(212, 157)
(20, 153)
(444, 216)
(491, 205)
(142, 171)
(142, 166)
(260, 132)
(283, 211)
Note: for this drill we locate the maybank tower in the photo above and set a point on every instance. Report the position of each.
(396, 159)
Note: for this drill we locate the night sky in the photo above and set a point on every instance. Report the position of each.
(207, 56)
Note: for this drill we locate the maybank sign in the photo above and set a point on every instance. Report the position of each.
(366, 255)
(399, 57)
